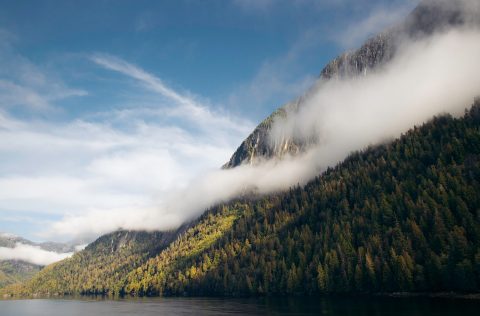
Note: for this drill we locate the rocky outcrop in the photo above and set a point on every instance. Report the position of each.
(258, 143)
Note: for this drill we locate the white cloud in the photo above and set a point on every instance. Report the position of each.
(32, 254)
(73, 166)
(127, 158)
(281, 78)
(421, 81)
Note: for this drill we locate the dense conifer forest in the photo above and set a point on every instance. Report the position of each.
(403, 216)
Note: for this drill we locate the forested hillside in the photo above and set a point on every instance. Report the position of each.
(404, 216)
(399, 217)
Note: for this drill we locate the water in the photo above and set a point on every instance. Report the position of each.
(261, 306)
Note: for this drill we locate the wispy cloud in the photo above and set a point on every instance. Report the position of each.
(24, 84)
(278, 80)
(16, 95)
(32, 254)
(154, 83)
(380, 18)
(184, 105)
(254, 5)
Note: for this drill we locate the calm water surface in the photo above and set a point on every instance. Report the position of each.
(262, 306)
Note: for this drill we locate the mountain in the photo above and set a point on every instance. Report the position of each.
(403, 216)
(429, 17)
(15, 271)
(397, 217)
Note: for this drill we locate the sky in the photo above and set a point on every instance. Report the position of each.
(108, 106)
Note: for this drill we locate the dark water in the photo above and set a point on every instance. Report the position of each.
(262, 306)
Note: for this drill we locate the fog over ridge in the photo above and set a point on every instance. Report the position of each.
(439, 74)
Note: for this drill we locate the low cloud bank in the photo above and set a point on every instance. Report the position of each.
(32, 254)
(438, 75)
(434, 76)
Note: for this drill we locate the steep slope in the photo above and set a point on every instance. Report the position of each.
(398, 217)
(429, 16)
(100, 266)
(258, 144)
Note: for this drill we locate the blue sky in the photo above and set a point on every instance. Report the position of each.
(105, 106)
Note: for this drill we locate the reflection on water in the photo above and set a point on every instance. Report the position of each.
(261, 306)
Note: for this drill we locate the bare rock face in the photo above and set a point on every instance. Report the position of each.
(428, 17)
(375, 52)
(258, 144)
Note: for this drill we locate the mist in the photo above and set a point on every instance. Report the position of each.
(440, 74)
(434, 76)
(32, 254)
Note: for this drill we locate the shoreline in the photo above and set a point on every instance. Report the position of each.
(394, 295)
(441, 295)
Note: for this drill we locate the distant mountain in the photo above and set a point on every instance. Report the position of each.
(428, 17)
(10, 240)
(15, 271)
